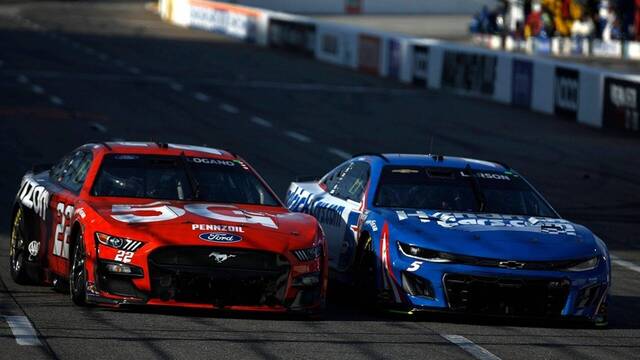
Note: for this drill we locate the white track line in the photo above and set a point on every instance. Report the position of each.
(229, 108)
(22, 330)
(201, 97)
(176, 87)
(37, 89)
(339, 153)
(624, 263)
(262, 122)
(469, 346)
(56, 100)
(99, 127)
(297, 136)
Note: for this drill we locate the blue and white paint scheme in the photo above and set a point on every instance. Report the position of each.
(442, 251)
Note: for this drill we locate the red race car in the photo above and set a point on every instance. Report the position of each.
(165, 224)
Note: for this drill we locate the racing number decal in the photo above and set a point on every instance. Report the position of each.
(123, 256)
(134, 214)
(415, 266)
(63, 229)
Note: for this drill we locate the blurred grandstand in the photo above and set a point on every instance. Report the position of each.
(600, 28)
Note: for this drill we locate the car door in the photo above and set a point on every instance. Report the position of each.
(339, 210)
(67, 179)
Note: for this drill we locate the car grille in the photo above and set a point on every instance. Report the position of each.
(218, 276)
(506, 296)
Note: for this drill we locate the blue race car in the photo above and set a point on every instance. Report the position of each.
(428, 232)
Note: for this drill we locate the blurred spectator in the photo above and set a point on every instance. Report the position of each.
(583, 28)
(611, 29)
(534, 24)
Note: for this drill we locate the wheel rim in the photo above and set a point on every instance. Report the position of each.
(17, 240)
(77, 268)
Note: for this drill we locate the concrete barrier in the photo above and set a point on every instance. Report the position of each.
(586, 95)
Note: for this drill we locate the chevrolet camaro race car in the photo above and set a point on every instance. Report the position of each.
(165, 224)
(423, 232)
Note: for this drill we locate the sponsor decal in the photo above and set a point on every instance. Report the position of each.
(235, 24)
(34, 248)
(469, 73)
(373, 224)
(211, 161)
(330, 44)
(488, 222)
(420, 65)
(394, 58)
(522, 83)
(567, 92)
(621, 105)
(488, 176)
(292, 36)
(369, 53)
(34, 196)
(220, 237)
(219, 258)
(217, 228)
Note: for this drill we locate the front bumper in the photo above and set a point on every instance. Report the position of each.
(502, 292)
(252, 280)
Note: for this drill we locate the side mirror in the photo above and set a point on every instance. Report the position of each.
(38, 168)
(307, 178)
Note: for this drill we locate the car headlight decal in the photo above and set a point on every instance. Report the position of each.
(585, 265)
(423, 254)
(119, 243)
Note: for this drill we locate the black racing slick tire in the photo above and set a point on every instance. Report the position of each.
(78, 273)
(18, 252)
(365, 273)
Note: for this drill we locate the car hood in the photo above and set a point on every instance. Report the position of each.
(492, 236)
(182, 223)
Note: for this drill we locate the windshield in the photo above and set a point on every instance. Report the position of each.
(180, 178)
(458, 190)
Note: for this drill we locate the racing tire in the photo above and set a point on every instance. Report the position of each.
(365, 274)
(78, 273)
(17, 250)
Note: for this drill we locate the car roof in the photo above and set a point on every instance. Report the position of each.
(431, 160)
(157, 148)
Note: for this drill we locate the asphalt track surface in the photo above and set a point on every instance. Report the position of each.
(78, 72)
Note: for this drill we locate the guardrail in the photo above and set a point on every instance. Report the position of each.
(590, 96)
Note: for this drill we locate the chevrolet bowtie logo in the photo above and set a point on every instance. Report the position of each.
(219, 258)
(511, 264)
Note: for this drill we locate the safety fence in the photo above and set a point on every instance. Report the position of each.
(588, 95)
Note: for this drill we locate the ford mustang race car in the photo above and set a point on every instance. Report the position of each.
(423, 232)
(165, 224)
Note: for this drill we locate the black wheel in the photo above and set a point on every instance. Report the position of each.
(78, 273)
(17, 249)
(365, 273)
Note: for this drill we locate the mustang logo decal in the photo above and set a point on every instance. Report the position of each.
(219, 258)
